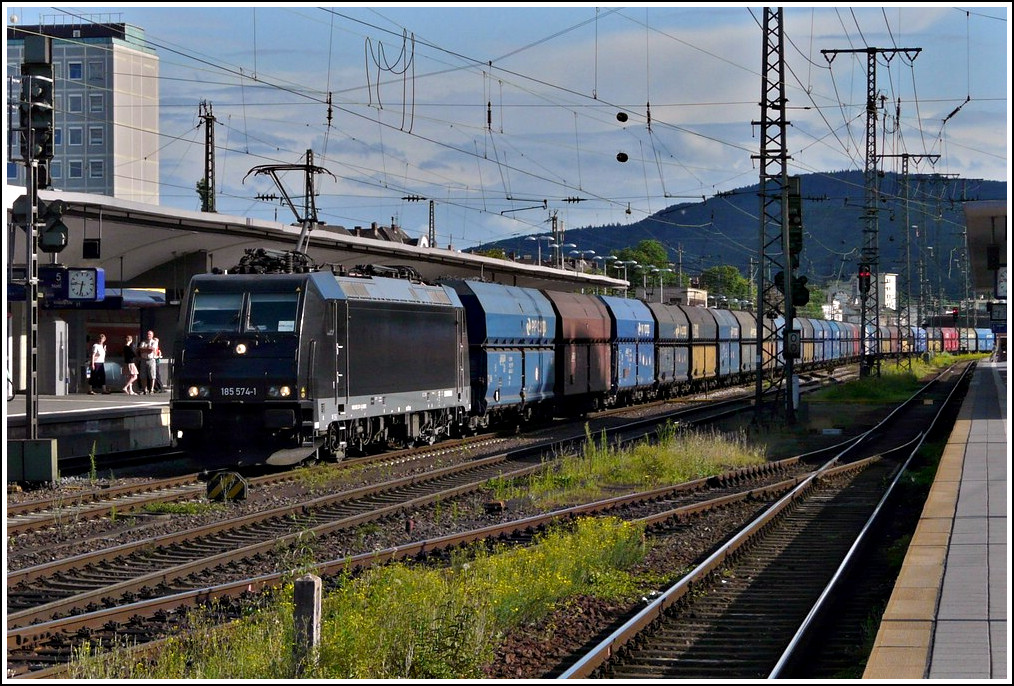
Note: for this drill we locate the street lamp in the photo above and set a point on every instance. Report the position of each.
(539, 240)
(580, 255)
(625, 264)
(604, 260)
(660, 273)
(559, 261)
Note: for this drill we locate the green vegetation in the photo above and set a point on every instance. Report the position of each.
(93, 476)
(679, 455)
(895, 384)
(401, 622)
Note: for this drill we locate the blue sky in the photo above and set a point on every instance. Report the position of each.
(507, 115)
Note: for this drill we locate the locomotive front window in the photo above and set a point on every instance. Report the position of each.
(273, 312)
(217, 313)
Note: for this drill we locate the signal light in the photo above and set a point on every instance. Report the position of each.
(800, 293)
(864, 278)
(794, 210)
(53, 236)
(36, 112)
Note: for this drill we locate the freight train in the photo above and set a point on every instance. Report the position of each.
(277, 368)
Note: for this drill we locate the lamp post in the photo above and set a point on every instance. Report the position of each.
(625, 265)
(604, 260)
(538, 240)
(561, 247)
(580, 255)
(660, 273)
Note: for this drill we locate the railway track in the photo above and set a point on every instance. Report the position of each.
(33, 646)
(758, 606)
(51, 594)
(128, 596)
(96, 502)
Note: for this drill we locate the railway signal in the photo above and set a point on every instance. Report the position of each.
(864, 278)
(53, 232)
(794, 209)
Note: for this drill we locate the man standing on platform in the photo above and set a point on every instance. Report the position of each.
(149, 353)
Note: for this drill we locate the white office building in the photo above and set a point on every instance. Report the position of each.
(106, 107)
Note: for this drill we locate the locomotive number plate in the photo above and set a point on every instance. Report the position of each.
(238, 392)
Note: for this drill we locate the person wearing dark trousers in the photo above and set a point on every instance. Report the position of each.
(98, 364)
(149, 352)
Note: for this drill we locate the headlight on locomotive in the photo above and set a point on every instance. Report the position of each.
(240, 348)
(198, 392)
(279, 391)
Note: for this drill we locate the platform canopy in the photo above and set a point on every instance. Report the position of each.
(135, 239)
(986, 232)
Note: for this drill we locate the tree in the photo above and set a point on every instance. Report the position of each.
(202, 193)
(647, 252)
(725, 280)
(498, 253)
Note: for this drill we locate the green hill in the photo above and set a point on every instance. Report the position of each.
(724, 229)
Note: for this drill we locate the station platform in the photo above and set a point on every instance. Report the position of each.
(947, 616)
(84, 424)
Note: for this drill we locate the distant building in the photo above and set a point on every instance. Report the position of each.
(888, 291)
(106, 107)
(687, 296)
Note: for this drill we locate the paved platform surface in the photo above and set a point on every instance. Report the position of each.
(49, 405)
(947, 617)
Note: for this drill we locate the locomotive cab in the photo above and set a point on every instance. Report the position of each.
(245, 370)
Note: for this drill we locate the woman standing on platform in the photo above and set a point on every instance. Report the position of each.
(98, 376)
(129, 365)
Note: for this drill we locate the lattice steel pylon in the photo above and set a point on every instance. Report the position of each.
(870, 299)
(773, 303)
(908, 337)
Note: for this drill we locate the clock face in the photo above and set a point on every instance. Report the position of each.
(81, 284)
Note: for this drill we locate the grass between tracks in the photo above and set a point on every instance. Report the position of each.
(895, 383)
(403, 622)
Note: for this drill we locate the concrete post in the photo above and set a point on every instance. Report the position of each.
(306, 595)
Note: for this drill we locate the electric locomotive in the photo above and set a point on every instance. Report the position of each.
(276, 368)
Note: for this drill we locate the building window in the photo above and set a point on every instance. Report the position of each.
(57, 71)
(96, 169)
(55, 169)
(95, 135)
(95, 102)
(75, 169)
(57, 137)
(75, 135)
(12, 170)
(74, 71)
(75, 104)
(96, 70)
(58, 104)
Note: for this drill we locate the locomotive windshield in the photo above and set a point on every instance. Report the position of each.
(242, 312)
